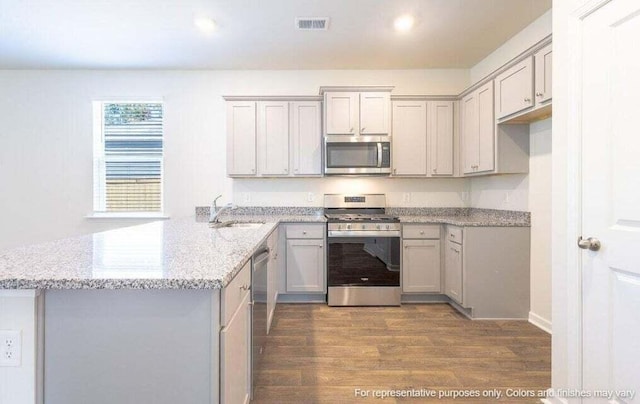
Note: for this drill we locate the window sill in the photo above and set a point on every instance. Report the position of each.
(127, 215)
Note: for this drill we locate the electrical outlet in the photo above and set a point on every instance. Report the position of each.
(246, 201)
(10, 348)
(406, 197)
(310, 197)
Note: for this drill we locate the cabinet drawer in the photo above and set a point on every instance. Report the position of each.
(420, 231)
(305, 231)
(234, 292)
(454, 234)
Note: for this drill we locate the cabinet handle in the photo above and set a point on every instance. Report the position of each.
(362, 129)
(539, 94)
(295, 170)
(304, 232)
(244, 287)
(253, 170)
(421, 231)
(406, 247)
(527, 99)
(451, 234)
(435, 170)
(319, 246)
(395, 171)
(351, 130)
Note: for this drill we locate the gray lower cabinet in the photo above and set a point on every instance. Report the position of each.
(272, 276)
(305, 269)
(453, 271)
(487, 270)
(421, 259)
(235, 337)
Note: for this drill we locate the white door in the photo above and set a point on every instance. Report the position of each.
(375, 116)
(440, 138)
(342, 113)
(241, 138)
(305, 266)
(611, 197)
(470, 133)
(487, 127)
(421, 266)
(273, 138)
(306, 138)
(409, 138)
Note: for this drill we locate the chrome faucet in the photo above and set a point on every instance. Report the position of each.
(216, 212)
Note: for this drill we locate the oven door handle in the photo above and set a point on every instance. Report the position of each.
(379, 145)
(365, 233)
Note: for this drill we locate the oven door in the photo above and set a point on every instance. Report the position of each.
(363, 261)
(357, 155)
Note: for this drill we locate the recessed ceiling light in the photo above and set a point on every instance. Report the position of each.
(403, 23)
(205, 24)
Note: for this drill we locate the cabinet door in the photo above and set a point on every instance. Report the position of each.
(421, 266)
(234, 356)
(342, 113)
(375, 114)
(273, 138)
(440, 118)
(241, 138)
(453, 271)
(514, 89)
(486, 129)
(306, 137)
(470, 127)
(305, 266)
(272, 277)
(409, 137)
(543, 73)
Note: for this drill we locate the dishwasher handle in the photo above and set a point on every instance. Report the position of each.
(261, 256)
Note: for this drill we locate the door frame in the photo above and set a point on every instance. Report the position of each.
(567, 349)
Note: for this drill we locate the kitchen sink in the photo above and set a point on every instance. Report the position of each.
(236, 225)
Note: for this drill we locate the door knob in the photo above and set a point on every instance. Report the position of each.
(590, 243)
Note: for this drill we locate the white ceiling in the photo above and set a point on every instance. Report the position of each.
(256, 34)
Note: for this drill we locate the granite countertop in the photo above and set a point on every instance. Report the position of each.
(469, 217)
(172, 254)
(186, 253)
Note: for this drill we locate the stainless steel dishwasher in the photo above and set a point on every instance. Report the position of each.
(259, 313)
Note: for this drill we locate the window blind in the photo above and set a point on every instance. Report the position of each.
(129, 158)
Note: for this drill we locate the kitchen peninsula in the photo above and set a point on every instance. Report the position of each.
(139, 313)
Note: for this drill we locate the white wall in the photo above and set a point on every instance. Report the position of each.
(517, 44)
(46, 141)
(530, 192)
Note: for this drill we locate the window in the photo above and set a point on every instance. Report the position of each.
(127, 156)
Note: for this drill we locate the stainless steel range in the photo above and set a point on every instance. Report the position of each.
(364, 251)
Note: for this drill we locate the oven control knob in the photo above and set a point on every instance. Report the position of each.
(348, 227)
(364, 227)
(377, 227)
(387, 227)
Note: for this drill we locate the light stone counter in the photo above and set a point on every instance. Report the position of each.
(172, 254)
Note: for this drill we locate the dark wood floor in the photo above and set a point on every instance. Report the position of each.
(321, 354)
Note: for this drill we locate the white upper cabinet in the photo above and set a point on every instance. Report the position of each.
(478, 130)
(440, 119)
(357, 113)
(375, 117)
(342, 113)
(514, 89)
(470, 125)
(241, 138)
(487, 126)
(409, 138)
(543, 72)
(306, 138)
(273, 138)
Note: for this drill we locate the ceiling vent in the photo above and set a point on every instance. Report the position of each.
(312, 23)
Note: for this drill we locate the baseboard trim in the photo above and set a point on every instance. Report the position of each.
(541, 323)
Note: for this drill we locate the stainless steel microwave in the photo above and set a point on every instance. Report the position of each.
(357, 155)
